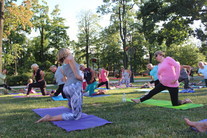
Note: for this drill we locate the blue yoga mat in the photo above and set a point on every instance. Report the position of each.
(103, 95)
(59, 98)
(85, 122)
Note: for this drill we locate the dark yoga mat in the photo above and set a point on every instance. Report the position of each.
(168, 104)
(85, 122)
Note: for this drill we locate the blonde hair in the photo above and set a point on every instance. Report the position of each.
(30, 81)
(62, 54)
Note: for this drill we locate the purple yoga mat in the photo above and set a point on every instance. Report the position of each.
(85, 122)
(23, 96)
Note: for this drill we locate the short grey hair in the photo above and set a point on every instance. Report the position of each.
(34, 65)
(53, 66)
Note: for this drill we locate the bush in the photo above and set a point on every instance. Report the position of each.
(17, 80)
(22, 79)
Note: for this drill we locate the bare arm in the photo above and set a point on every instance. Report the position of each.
(189, 68)
(92, 75)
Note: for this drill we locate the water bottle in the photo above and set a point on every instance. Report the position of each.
(124, 97)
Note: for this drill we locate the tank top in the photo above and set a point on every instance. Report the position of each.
(37, 75)
(70, 75)
(88, 76)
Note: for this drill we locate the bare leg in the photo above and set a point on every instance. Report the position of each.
(47, 118)
(200, 126)
(136, 100)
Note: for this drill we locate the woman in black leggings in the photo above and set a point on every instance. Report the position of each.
(168, 74)
(39, 78)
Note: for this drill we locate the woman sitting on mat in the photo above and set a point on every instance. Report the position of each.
(89, 76)
(72, 88)
(168, 74)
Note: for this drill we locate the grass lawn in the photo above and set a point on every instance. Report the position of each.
(129, 119)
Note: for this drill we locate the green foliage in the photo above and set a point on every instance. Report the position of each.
(22, 79)
(49, 78)
(187, 54)
(17, 80)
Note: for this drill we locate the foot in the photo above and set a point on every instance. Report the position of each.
(187, 101)
(44, 119)
(200, 126)
(136, 100)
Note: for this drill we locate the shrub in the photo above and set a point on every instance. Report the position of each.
(17, 80)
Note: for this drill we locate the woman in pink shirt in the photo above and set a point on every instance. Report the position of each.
(103, 76)
(168, 74)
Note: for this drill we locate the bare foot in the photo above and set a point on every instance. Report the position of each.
(187, 101)
(44, 119)
(200, 126)
(136, 100)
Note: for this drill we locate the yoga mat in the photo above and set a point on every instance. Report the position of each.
(59, 98)
(103, 95)
(85, 122)
(186, 91)
(193, 128)
(23, 96)
(147, 90)
(168, 104)
(102, 88)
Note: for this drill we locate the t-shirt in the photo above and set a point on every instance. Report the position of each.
(59, 75)
(153, 73)
(104, 75)
(183, 73)
(2, 78)
(168, 71)
(203, 71)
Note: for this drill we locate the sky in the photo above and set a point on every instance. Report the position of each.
(70, 9)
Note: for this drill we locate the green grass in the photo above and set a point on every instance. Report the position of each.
(129, 120)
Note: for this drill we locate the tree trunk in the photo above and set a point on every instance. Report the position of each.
(1, 30)
(42, 44)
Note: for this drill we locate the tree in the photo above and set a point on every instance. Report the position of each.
(1, 31)
(121, 11)
(57, 34)
(88, 26)
(41, 22)
(15, 17)
(186, 54)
